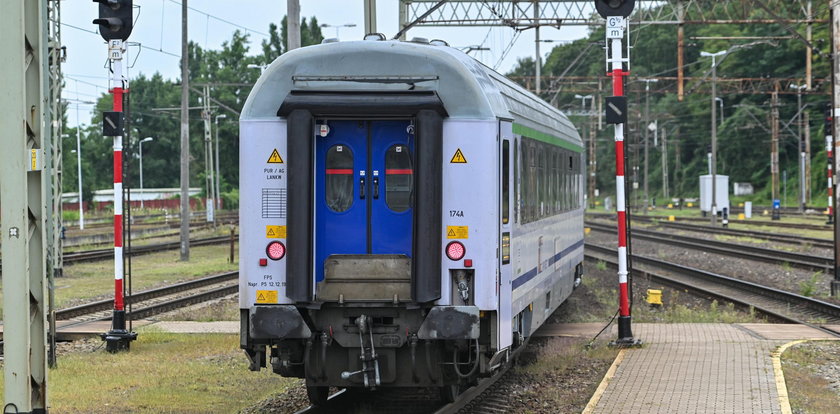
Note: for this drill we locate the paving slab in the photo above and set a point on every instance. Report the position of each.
(789, 332)
(697, 368)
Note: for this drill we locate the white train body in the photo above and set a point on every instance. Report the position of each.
(363, 167)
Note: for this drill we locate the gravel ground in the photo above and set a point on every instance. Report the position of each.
(781, 277)
(812, 374)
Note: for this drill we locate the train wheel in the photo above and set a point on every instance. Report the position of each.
(317, 395)
(449, 393)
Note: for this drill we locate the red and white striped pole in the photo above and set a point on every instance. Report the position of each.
(118, 338)
(616, 29)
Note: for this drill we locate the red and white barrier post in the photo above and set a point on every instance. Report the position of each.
(618, 68)
(118, 338)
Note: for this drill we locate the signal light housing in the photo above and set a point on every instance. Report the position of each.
(455, 250)
(115, 19)
(607, 8)
(275, 250)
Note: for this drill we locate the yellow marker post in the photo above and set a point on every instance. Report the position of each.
(672, 218)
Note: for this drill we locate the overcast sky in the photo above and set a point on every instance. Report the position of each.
(158, 29)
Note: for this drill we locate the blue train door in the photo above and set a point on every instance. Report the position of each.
(363, 190)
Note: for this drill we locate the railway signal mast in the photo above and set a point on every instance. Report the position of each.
(115, 24)
(616, 12)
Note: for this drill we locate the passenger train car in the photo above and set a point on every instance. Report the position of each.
(408, 216)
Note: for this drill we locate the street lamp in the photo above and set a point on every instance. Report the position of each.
(255, 66)
(142, 196)
(714, 129)
(79, 173)
(218, 194)
(802, 198)
(338, 26)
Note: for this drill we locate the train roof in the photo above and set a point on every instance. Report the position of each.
(467, 88)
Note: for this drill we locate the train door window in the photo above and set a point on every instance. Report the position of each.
(505, 181)
(398, 178)
(338, 190)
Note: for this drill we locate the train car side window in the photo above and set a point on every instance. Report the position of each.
(398, 178)
(517, 194)
(505, 181)
(338, 192)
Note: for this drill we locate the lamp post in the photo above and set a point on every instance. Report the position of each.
(714, 130)
(78, 152)
(218, 194)
(337, 26)
(256, 66)
(799, 108)
(142, 196)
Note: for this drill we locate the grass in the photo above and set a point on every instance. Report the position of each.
(87, 281)
(809, 287)
(162, 373)
(809, 392)
(562, 374)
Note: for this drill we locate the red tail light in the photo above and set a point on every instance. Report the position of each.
(275, 250)
(455, 250)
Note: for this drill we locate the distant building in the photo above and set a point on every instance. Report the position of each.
(743, 189)
(152, 198)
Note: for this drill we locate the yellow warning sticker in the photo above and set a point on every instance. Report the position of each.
(458, 158)
(457, 232)
(266, 296)
(275, 232)
(275, 158)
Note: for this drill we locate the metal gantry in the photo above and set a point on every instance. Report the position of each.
(25, 193)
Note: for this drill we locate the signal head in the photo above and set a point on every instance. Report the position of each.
(608, 8)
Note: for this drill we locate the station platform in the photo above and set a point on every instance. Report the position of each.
(696, 368)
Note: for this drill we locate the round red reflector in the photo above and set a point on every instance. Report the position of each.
(275, 250)
(455, 250)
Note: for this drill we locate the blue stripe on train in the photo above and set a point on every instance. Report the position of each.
(525, 277)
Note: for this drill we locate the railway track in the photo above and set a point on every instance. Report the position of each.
(153, 301)
(101, 254)
(83, 312)
(779, 257)
(774, 237)
(782, 224)
(776, 303)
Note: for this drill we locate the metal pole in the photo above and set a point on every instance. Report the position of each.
(403, 17)
(185, 137)
(680, 52)
(370, 17)
(774, 146)
(142, 205)
(625, 332)
(118, 338)
(537, 63)
(835, 104)
(218, 161)
(293, 24)
(665, 165)
(807, 139)
(23, 189)
(801, 146)
(714, 142)
(79, 169)
(647, 145)
(808, 51)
